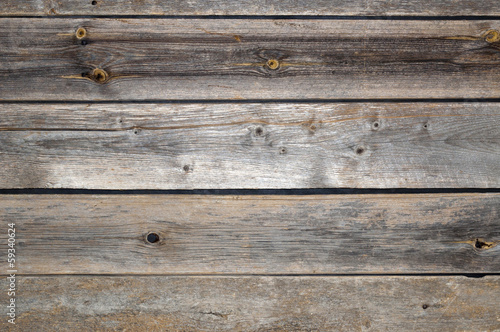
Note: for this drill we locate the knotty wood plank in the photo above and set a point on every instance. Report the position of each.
(193, 59)
(270, 145)
(82, 234)
(247, 7)
(256, 303)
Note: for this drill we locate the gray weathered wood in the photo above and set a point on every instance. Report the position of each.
(159, 59)
(81, 303)
(438, 233)
(270, 145)
(251, 7)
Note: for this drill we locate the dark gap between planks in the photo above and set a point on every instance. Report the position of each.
(249, 192)
(254, 101)
(268, 17)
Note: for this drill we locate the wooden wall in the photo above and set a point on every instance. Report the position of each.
(251, 165)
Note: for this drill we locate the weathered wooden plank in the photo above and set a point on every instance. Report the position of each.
(159, 59)
(248, 7)
(270, 145)
(84, 303)
(438, 233)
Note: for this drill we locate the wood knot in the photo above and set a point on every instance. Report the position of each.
(482, 244)
(273, 64)
(360, 150)
(152, 238)
(100, 75)
(492, 36)
(81, 33)
(259, 131)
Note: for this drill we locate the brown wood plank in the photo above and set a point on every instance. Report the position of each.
(193, 59)
(84, 303)
(269, 145)
(248, 7)
(415, 233)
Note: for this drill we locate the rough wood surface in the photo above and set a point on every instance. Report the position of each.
(269, 145)
(174, 59)
(251, 7)
(82, 234)
(83, 303)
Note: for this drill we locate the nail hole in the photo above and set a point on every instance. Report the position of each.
(259, 131)
(282, 150)
(376, 125)
(136, 131)
(80, 33)
(360, 150)
(272, 64)
(186, 168)
(426, 126)
(425, 306)
(94, 3)
(153, 238)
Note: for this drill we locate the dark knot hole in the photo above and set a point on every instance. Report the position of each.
(153, 238)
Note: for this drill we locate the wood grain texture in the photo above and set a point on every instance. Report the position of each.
(248, 7)
(256, 304)
(267, 145)
(193, 59)
(424, 233)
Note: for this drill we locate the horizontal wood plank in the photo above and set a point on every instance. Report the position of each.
(268, 145)
(415, 233)
(194, 59)
(83, 303)
(247, 7)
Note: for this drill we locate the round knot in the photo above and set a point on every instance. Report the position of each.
(492, 36)
(272, 64)
(99, 75)
(81, 33)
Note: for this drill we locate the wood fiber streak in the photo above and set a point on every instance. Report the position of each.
(251, 7)
(194, 59)
(266, 146)
(90, 234)
(256, 304)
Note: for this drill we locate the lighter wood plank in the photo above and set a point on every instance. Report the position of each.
(247, 7)
(271, 145)
(192, 59)
(256, 304)
(255, 234)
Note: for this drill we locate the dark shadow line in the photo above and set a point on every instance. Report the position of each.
(260, 101)
(272, 17)
(229, 275)
(248, 192)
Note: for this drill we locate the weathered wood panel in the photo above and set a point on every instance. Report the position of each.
(248, 7)
(160, 59)
(256, 304)
(438, 233)
(269, 145)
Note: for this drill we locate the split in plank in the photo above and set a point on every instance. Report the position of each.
(194, 59)
(108, 234)
(69, 303)
(250, 7)
(266, 146)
